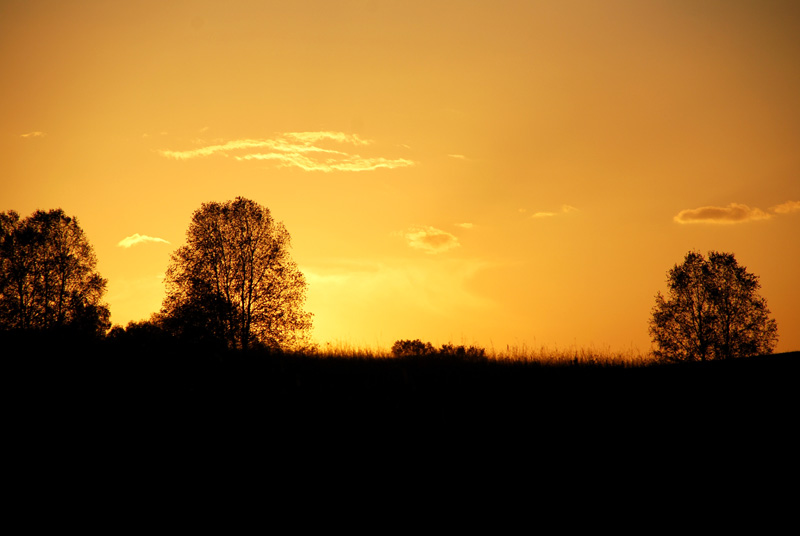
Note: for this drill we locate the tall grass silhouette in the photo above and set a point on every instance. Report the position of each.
(520, 354)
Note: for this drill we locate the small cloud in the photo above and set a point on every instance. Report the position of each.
(430, 239)
(35, 134)
(465, 225)
(543, 214)
(204, 129)
(136, 238)
(733, 213)
(786, 208)
(457, 156)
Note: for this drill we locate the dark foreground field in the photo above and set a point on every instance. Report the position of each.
(169, 389)
(134, 408)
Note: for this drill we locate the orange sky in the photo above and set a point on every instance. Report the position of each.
(492, 172)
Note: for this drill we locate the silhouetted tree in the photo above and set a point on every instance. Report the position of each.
(48, 279)
(712, 311)
(234, 280)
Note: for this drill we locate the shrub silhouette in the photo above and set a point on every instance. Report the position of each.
(471, 353)
(142, 334)
(408, 348)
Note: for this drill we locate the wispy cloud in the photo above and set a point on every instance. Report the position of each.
(430, 239)
(35, 134)
(787, 207)
(347, 163)
(465, 225)
(733, 213)
(457, 156)
(136, 238)
(313, 137)
(311, 151)
(208, 150)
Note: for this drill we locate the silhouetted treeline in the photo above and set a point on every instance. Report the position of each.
(48, 276)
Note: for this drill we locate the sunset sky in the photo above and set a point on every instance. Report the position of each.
(482, 172)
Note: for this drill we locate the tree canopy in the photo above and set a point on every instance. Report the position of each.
(48, 278)
(712, 311)
(234, 281)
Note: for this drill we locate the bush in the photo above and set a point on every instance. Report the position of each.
(471, 353)
(407, 348)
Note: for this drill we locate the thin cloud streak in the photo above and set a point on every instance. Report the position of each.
(35, 134)
(298, 149)
(430, 239)
(136, 238)
(565, 209)
(351, 163)
(212, 149)
(311, 137)
(733, 213)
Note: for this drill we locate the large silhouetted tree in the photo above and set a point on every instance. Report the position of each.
(712, 311)
(234, 280)
(48, 279)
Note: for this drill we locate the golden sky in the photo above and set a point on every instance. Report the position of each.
(492, 172)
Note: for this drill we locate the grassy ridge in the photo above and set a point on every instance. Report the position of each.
(154, 423)
(165, 382)
(138, 412)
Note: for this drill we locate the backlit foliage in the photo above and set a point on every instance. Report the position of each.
(234, 280)
(712, 311)
(47, 277)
